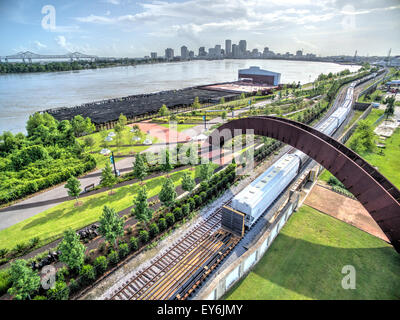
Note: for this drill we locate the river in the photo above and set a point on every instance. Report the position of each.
(24, 94)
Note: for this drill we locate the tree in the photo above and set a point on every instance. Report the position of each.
(242, 96)
(196, 103)
(111, 225)
(139, 167)
(206, 171)
(87, 274)
(72, 250)
(188, 182)
(223, 115)
(100, 264)
(222, 101)
(82, 126)
(88, 142)
(74, 188)
(142, 211)
(119, 129)
(363, 139)
(167, 194)
(166, 164)
(163, 111)
(390, 106)
(24, 280)
(108, 178)
(122, 120)
(192, 154)
(59, 292)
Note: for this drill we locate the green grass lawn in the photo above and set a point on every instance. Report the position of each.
(389, 163)
(179, 127)
(49, 224)
(306, 259)
(126, 139)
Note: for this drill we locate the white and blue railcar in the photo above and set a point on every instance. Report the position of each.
(340, 114)
(259, 195)
(328, 126)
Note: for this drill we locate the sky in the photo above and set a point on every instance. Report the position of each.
(127, 28)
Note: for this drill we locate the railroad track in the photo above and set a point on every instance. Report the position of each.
(171, 269)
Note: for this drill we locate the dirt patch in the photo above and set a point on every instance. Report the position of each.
(345, 209)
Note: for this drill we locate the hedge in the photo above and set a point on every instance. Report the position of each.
(133, 243)
(100, 264)
(18, 188)
(170, 218)
(143, 236)
(87, 274)
(123, 250)
(113, 257)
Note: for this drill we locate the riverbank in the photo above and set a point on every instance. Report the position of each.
(23, 94)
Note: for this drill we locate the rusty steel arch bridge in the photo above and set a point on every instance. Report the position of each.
(29, 56)
(374, 191)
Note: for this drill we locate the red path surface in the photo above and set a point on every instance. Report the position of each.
(163, 134)
(345, 209)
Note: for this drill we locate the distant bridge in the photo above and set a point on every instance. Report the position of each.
(29, 56)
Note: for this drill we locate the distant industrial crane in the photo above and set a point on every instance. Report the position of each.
(388, 57)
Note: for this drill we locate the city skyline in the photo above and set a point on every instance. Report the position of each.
(125, 28)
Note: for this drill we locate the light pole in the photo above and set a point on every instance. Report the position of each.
(113, 162)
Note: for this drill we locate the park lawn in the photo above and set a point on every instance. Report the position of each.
(306, 259)
(179, 127)
(372, 96)
(50, 224)
(126, 139)
(387, 163)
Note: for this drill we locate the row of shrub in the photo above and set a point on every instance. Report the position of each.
(339, 187)
(338, 83)
(58, 175)
(264, 151)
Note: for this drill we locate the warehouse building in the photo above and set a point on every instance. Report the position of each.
(261, 76)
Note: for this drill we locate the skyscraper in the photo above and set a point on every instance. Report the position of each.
(228, 48)
(153, 55)
(202, 52)
(235, 50)
(242, 47)
(169, 54)
(218, 50)
(184, 53)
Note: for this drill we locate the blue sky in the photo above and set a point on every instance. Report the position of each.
(127, 28)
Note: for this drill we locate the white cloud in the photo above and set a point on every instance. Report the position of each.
(203, 22)
(66, 45)
(40, 45)
(61, 41)
(115, 2)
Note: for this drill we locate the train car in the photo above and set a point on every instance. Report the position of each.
(301, 155)
(340, 114)
(328, 126)
(253, 200)
(259, 195)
